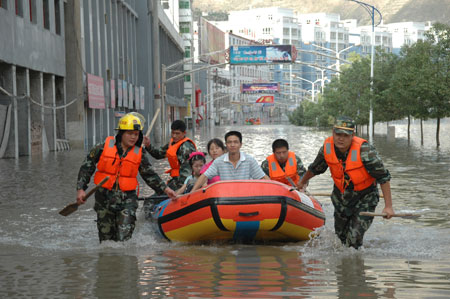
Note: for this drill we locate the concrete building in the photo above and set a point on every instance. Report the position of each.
(324, 33)
(110, 62)
(270, 25)
(405, 33)
(32, 77)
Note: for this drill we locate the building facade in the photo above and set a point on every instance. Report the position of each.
(32, 77)
(110, 61)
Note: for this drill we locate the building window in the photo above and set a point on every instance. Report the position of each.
(57, 18)
(19, 8)
(45, 9)
(165, 4)
(308, 22)
(187, 78)
(4, 4)
(33, 11)
(187, 51)
(270, 17)
(184, 4)
(185, 27)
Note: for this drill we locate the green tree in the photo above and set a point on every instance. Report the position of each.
(439, 37)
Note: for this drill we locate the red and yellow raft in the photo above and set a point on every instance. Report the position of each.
(247, 210)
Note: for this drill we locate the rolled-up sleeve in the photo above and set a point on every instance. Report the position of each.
(373, 164)
(213, 170)
(256, 171)
(319, 165)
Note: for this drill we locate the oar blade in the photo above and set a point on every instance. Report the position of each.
(69, 209)
(400, 215)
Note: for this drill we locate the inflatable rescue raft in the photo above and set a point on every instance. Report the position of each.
(242, 211)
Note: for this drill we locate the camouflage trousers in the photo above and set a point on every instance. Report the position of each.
(116, 214)
(349, 226)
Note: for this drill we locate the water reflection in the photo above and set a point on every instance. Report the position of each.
(353, 281)
(45, 255)
(244, 271)
(116, 276)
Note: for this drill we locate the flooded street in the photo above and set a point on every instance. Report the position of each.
(46, 255)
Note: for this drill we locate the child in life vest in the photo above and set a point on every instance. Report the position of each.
(196, 160)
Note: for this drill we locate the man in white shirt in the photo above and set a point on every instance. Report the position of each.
(234, 165)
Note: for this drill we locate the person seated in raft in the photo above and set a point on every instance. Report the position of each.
(233, 165)
(216, 148)
(283, 164)
(197, 161)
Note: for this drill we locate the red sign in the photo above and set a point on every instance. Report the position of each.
(265, 99)
(96, 96)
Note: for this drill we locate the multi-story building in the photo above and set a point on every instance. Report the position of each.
(180, 14)
(405, 33)
(270, 25)
(32, 77)
(110, 56)
(326, 34)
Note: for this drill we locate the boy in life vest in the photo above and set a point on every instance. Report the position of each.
(122, 159)
(356, 170)
(177, 152)
(283, 164)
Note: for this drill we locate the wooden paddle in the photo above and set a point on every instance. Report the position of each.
(402, 215)
(329, 194)
(69, 209)
(150, 127)
(155, 199)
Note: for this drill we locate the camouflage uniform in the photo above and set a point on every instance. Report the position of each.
(348, 224)
(116, 210)
(300, 168)
(183, 153)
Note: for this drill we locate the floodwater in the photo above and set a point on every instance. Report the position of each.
(45, 255)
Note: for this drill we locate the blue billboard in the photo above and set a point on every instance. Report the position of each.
(262, 54)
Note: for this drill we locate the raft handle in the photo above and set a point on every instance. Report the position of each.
(248, 214)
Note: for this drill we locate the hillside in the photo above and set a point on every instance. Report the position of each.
(392, 10)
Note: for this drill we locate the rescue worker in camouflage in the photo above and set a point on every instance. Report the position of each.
(283, 163)
(356, 169)
(177, 152)
(121, 158)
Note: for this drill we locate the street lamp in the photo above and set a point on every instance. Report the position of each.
(371, 10)
(313, 84)
(338, 54)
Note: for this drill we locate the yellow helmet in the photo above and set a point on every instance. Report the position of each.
(129, 122)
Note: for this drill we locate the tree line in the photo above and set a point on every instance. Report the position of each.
(413, 84)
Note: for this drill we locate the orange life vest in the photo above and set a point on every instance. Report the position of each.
(354, 167)
(171, 155)
(123, 170)
(276, 173)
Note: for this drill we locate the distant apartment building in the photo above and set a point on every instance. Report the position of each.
(405, 33)
(324, 33)
(271, 25)
(32, 77)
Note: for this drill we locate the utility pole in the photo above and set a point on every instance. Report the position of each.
(371, 10)
(153, 10)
